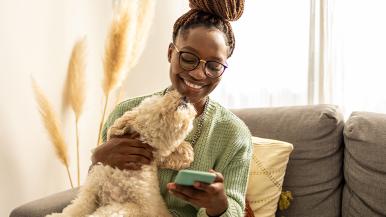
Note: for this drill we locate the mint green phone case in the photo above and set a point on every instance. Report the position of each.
(188, 177)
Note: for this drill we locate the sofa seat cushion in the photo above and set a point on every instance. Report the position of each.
(365, 165)
(314, 172)
(46, 205)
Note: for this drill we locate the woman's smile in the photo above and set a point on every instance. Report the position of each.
(192, 85)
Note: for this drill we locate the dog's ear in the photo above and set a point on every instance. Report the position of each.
(170, 50)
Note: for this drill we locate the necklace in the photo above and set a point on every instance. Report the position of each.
(200, 124)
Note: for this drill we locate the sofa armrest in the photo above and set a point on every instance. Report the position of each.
(46, 205)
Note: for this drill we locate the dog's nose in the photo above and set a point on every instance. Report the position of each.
(184, 101)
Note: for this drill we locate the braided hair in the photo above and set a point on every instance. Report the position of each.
(211, 14)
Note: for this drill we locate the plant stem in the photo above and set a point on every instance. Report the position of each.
(103, 117)
(69, 176)
(77, 150)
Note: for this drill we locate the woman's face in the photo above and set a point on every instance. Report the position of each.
(206, 43)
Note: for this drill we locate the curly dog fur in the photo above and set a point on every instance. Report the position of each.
(163, 122)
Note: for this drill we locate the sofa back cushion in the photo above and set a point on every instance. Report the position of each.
(314, 172)
(365, 165)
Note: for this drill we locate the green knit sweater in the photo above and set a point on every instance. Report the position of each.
(224, 145)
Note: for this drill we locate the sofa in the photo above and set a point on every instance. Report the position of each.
(337, 167)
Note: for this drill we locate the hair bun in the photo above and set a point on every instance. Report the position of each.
(229, 10)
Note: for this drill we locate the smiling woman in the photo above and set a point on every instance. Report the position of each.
(203, 41)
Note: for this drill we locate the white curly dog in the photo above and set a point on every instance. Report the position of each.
(163, 122)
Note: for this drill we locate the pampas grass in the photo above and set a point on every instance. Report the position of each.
(116, 54)
(144, 20)
(124, 45)
(52, 126)
(74, 89)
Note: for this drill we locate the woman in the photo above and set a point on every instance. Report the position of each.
(202, 42)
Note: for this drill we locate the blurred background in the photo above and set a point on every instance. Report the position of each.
(287, 53)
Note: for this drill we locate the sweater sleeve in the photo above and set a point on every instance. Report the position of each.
(234, 165)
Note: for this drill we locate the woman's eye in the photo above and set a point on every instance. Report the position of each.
(214, 66)
(188, 58)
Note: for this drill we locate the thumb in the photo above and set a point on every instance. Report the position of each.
(219, 176)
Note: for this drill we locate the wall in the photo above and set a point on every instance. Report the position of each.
(36, 38)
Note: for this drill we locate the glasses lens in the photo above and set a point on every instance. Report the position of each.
(214, 69)
(188, 61)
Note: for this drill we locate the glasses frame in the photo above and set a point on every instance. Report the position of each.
(200, 60)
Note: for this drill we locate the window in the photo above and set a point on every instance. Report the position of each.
(269, 65)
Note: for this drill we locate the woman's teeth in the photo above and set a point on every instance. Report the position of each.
(192, 85)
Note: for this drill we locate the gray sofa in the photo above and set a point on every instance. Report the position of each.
(337, 168)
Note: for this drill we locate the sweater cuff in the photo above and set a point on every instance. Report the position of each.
(230, 212)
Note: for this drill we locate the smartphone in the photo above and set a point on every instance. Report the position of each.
(188, 177)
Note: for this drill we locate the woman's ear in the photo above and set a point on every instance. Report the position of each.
(170, 50)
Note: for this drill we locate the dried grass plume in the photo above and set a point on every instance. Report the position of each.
(74, 88)
(145, 17)
(116, 51)
(52, 126)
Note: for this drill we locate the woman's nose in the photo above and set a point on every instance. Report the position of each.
(199, 72)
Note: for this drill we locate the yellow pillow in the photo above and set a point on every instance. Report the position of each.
(266, 175)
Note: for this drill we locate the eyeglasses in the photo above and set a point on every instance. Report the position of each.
(189, 61)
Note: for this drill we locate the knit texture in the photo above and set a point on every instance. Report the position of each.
(224, 145)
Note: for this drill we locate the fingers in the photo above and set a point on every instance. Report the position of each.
(132, 166)
(189, 191)
(211, 196)
(124, 153)
(125, 141)
(199, 188)
(216, 186)
(139, 159)
(136, 151)
(219, 176)
(133, 135)
(132, 146)
(186, 193)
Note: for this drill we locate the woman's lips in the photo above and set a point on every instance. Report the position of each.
(192, 85)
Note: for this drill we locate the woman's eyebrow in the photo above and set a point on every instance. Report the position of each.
(190, 48)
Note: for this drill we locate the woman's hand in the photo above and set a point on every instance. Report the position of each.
(210, 196)
(123, 152)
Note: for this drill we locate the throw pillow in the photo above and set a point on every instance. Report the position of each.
(266, 175)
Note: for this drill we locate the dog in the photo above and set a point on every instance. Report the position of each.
(163, 122)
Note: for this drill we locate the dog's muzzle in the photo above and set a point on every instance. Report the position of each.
(183, 102)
